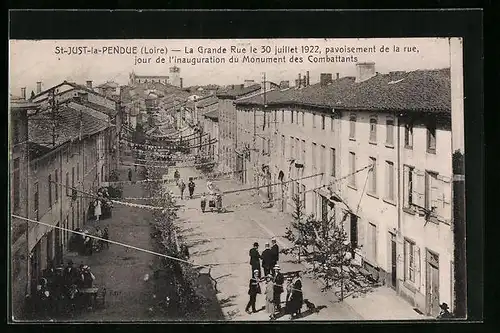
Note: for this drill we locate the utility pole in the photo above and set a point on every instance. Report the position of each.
(458, 220)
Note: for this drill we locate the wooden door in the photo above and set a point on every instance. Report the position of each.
(432, 284)
(393, 262)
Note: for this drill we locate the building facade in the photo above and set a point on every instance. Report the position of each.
(382, 143)
(69, 148)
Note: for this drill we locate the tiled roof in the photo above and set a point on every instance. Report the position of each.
(97, 107)
(207, 101)
(67, 126)
(420, 90)
(237, 91)
(214, 115)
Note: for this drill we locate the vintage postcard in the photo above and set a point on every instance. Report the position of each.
(236, 180)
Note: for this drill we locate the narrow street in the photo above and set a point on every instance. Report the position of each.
(224, 239)
(122, 270)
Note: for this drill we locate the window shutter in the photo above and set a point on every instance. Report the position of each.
(445, 197)
(417, 267)
(418, 188)
(434, 193)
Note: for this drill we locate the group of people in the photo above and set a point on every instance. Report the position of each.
(82, 243)
(102, 205)
(274, 280)
(182, 186)
(60, 287)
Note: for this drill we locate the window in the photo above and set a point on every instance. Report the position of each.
(408, 174)
(352, 126)
(322, 159)
(314, 120)
(322, 121)
(332, 162)
(68, 191)
(372, 180)
(291, 115)
(283, 116)
(56, 185)
(275, 117)
(389, 140)
(50, 190)
(297, 149)
(16, 185)
(352, 169)
(303, 196)
(292, 146)
(332, 123)
(389, 181)
(373, 130)
(313, 155)
(303, 118)
(410, 260)
(372, 243)
(409, 135)
(431, 138)
(36, 201)
(282, 145)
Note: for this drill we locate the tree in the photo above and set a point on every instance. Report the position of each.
(330, 252)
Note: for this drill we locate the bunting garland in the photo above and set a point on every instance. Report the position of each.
(147, 148)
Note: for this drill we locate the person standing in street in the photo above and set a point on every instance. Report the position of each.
(182, 187)
(296, 298)
(278, 281)
(253, 290)
(270, 297)
(177, 175)
(191, 186)
(203, 202)
(275, 252)
(130, 174)
(267, 260)
(255, 259)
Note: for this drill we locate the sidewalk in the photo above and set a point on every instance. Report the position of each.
(270, 222)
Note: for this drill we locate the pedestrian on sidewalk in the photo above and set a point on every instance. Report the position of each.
(278, 281)
(191, 186)
(182, 187)
(177, 175)
(255, 259)
(253, 290)
(267, 260)
(270, 307)
(97, 209)
(275, 250)
(100, 243)
(130, 174)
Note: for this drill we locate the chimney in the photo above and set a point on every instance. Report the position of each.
(38, 87)
(307, 81)
(242, 85)
(89, 84)
(365, 71)
(304, 81)
(181, 82)
(300, 80)
(337, 75)
(284, 84)
(325, 79)
(23, 93)
(296, 83)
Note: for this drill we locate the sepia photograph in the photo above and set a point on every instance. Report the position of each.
(236, 180)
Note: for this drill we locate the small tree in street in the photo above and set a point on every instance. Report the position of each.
(331, 251)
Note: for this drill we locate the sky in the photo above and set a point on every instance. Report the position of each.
(31, 61)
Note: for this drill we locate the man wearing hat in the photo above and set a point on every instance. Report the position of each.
(267, 260)
(445, 312)
(275, 252)
(278, 281)
(255, 259)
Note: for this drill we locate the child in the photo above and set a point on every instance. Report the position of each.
(203, 202)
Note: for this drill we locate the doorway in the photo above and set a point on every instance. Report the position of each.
(324, 213)
(393, 261)
(432, 283)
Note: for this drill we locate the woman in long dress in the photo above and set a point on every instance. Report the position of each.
(270, 297)
(97, 209)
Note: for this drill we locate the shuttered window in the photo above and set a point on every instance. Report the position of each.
(372, 243)
(389, 181)
(372, 180)
(352, 126)
(373, 130)
(332, 162)
(352, 168)
(389, 140)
